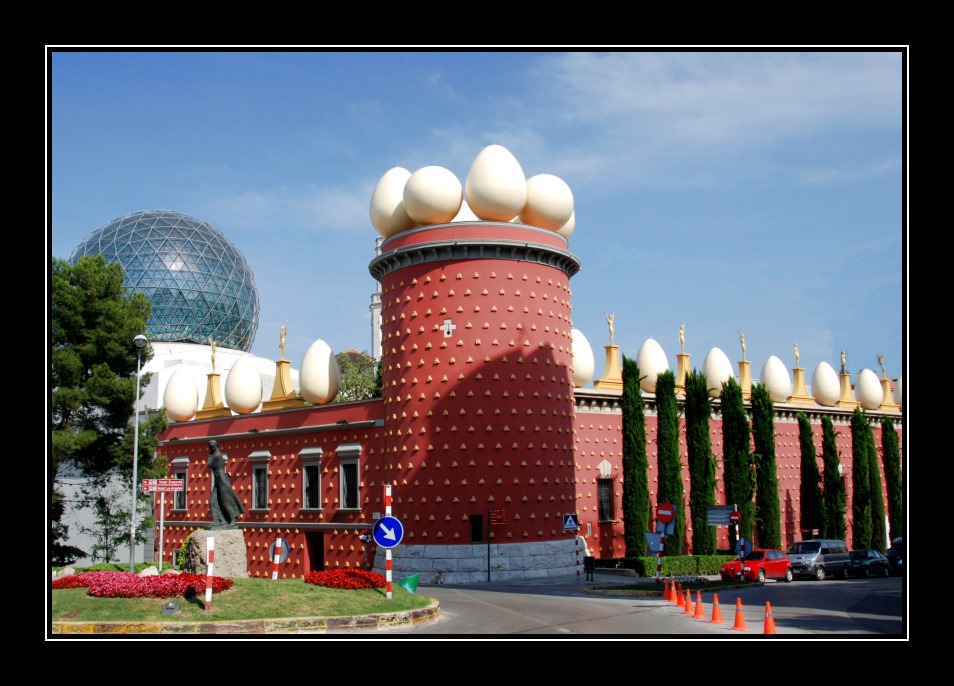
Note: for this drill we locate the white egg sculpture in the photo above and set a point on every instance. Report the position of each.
(896, 394)
(181, 397)
(868, 390)
(826, 388)
(319, 376)
(651, 360)
(584, 364)
(549, 202)
(496, 187)
(465, 214)
(387, 203)
(432, 195)
(243, 386)
(718, 370)
(776, 380)
(567, 229)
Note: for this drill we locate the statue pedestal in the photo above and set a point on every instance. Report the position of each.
(230, 553)
(888, 404)
(283, 394)
(847, 399)
(800, 395)
(612, 379)
(682, 369)
(214, 406)
(745, 379)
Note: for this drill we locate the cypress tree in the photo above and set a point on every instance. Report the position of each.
(768, 513)
(812, 514)
(879, 533)
(736, 459)
(702, 463)
(834, 491)
(636, 505)
(669, 467)
(860, 483)
(891, 457)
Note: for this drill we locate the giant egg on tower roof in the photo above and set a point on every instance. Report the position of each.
(825, 386)
(388, 214)
(319, 376)
(181, 397)
(718, 370)
(584, 365)
(243, 386)
(651, 360)
(776, 380)
(868, 390)
(432, 195)
(549, 202)
(496, 187)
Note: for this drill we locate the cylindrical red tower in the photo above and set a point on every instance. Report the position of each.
(478, 395)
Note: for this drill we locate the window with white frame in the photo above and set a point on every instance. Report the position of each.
(180, 470)
(606, 500)
(349, 469)
(259, 460)
(311, 477)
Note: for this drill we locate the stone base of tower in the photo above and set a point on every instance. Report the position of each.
(466, 564)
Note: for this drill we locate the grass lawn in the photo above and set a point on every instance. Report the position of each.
(247, 599)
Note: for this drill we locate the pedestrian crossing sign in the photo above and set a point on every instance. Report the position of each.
(570, 522)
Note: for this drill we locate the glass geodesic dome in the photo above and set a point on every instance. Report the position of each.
(200, 285)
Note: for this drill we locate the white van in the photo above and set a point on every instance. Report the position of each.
(819, 558)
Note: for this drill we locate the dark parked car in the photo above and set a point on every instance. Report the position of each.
(868, 563)
(895, 556)
(758, 565)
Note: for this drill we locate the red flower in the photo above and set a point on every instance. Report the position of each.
(346, 578)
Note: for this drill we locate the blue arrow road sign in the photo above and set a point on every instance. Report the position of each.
(388, 532)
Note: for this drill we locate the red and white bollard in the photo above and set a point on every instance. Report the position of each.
(277, 557)
(387, 513)
(210, 550)
(659, 556)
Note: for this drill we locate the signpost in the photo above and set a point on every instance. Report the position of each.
(278, 552)
(387, 533)
(162, 486)
(571, 522)
(665, 516)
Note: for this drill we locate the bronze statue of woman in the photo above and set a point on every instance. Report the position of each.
(224, 506)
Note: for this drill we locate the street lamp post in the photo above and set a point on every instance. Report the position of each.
(140, 342)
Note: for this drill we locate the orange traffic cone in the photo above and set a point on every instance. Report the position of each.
(716, 612)
(739, 617)
(668, 595)
(688, 610)
(699, 612)
(769, 620)
(680, 598)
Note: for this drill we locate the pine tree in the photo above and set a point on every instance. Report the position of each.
(636, 505)
(860, 483)
(812, 515)
(669, 465)
(768, 513)
(879, 533)
(891, 457)
(736, 459)
(702, 463)
(834, 490)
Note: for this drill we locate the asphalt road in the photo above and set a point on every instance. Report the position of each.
(569, 607)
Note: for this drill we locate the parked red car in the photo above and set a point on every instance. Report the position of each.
(758, 565)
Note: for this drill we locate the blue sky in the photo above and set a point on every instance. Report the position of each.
(733, 191)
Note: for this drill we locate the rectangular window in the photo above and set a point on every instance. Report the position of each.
(311, 476)
(606, 500)
(349, 485)
(312, 486)
(260, 488)
(180, 501)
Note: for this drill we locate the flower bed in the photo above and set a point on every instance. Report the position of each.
(345, 578)
(129, 585)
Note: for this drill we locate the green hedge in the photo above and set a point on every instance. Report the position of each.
(690, 565)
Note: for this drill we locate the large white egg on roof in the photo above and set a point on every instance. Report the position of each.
(319, 377)
(868, 390)
(584, 365)
(776, 380)
(496, 187)
(549, 202)
(387, 203)
(651, 360)
(567, 229)
(181, 397)
(826, 389)
(897, 391)
(243, 386)
(432, 195)
(718, 370)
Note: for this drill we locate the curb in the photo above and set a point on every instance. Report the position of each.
(290, 625)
